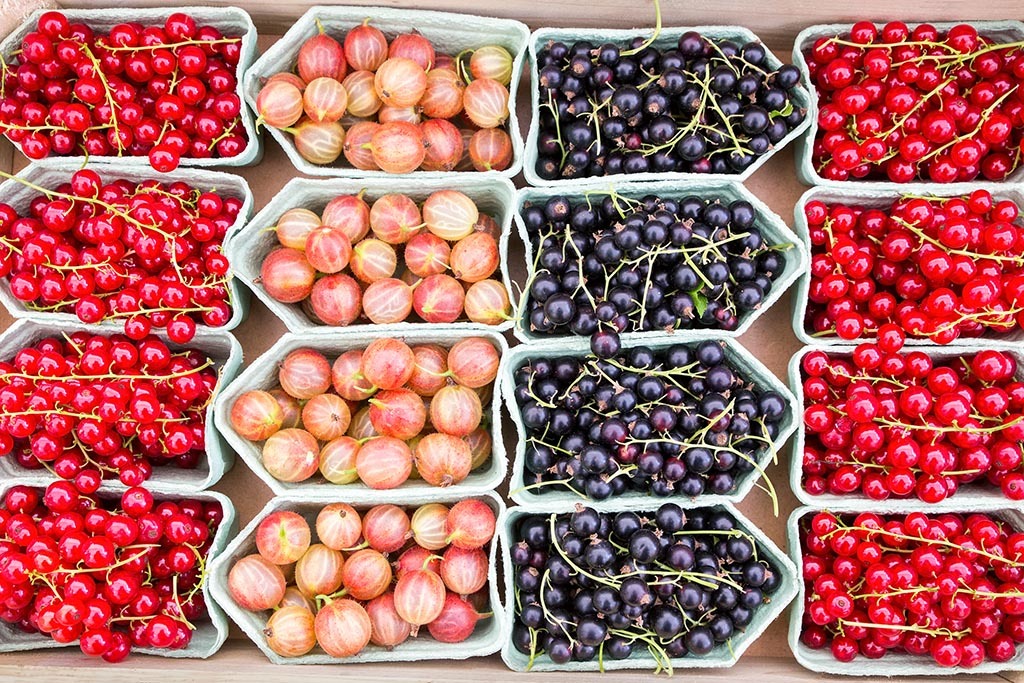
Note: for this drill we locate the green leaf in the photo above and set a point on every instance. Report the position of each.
(700, 302)
(785, 111)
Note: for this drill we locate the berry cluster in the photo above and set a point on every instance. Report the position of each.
(592, 585)
(436, 258)
(947, 587)
(403, 102)
(378, 415)
(702, 105)
(147, 253)
(903, 104)
(90, 407)
(652, 264)
(938, 268)
(887, 423)
(344, 594)
(111, 575)
(678, 421)
(163, 91)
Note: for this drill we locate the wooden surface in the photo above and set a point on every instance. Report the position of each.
(777, 22)
(770, 339)
(238, 663)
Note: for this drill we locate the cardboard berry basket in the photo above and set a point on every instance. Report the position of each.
(667, 39)
(970, 494)
(883, 198)
(449, 33)
(210, 633)
(487, 638)
(49, 174)
(232, 21)
(724, 655)
(1004, 31)
(247, 247)
(221, 347)
(736, 356)
(773, 228)
(894, 664)
(262, 374)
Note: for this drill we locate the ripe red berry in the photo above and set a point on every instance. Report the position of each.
(75, 94)
(883, 424)
(916, 121)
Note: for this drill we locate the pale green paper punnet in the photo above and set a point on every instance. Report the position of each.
(229, 20)
(1006, 31)
(722, 656)
(221, 347)
(736, 356)
(668, 38)
(981, 493)
(248, 246)
(893, 664)
(262, 374)
(210, 633)
(882, 198)
(486, 639)
(772, 226)
(449, 33)
(51, 173)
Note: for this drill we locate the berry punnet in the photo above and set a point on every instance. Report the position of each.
(939, 268)
(92, 407)
(389, 260)
(167, 92)
(885, 423)
(380, 415)
(393, 105)
(608, 264)
(902, 104)
(945, 588)
(678, 421)
(111, 575)
(699, 105)
(148, 254)
(367, 579)
(597, 586)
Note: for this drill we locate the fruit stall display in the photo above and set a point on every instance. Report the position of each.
(665, 420)
(677, 102)
(659, 589)
(387, 253)
(401, 91)
(890, 591)
(910, 427)
(943, 268)
(388, 581)
(419, 411)
(913, 102)
(650, 258)
(123, 248)
(113, 573)
(90, 407)
(385, 302)
(162, 90)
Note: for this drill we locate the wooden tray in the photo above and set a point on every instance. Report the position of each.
(771, 338)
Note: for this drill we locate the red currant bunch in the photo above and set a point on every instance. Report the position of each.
(90, 407)
(939, 268)
(885, 423)
(902, 104)
(149, 254)
(165, 92)
(949, 587)
(109, 574)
